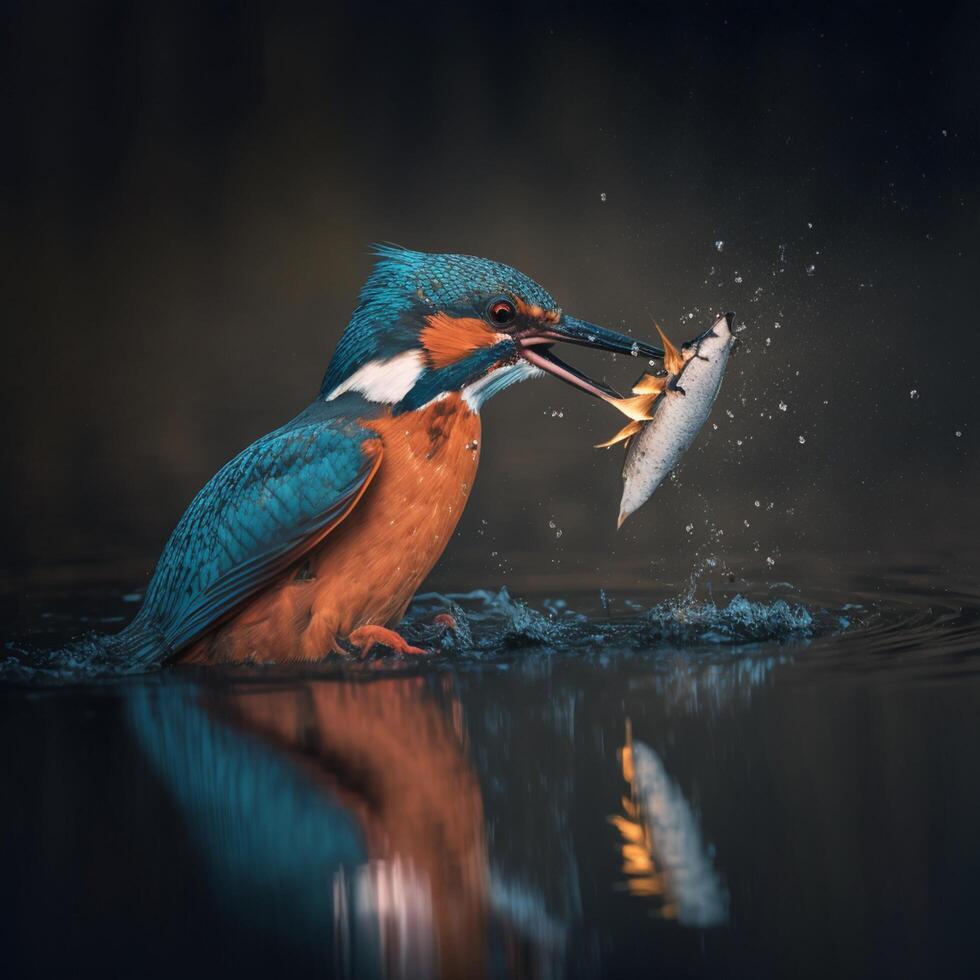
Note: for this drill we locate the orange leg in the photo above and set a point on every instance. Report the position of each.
(366, 637)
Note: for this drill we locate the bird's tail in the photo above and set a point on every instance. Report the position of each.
(141, 646)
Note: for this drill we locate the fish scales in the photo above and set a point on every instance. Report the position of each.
(680, 412)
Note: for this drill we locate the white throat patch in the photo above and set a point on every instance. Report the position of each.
(385, 381)
(498, 379)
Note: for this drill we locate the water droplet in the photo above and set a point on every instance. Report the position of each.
(770, 561)
(719, 245)
(777, 325)
(689, 528)
(768, 341)
(802, 440)
(746, 523)
(738, 278)
(635, 349)
(811, 269)
(783, 406)
(914, 394)
(602, 196)
(959, 433)
(757, 503)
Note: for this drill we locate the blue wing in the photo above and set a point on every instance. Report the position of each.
(274, 501)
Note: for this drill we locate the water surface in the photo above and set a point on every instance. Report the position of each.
(732, 776)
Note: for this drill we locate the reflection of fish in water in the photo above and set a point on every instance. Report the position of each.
(663, 853)
(683, 398)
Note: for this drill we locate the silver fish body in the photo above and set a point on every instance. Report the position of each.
(693, 886)
(678, 416)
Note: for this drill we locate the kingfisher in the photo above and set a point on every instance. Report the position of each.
(315, 538)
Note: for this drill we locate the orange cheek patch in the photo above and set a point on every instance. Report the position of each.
(448, 340)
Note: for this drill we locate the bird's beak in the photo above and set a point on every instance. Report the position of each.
(535, 347)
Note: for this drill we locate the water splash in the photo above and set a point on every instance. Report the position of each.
(493, 625)
(740, 621)
(93, 655)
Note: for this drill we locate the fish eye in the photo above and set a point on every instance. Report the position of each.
(501, 312)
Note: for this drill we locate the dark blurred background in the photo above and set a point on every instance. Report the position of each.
(189, 192)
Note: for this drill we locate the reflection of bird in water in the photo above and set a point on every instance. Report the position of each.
(663, 854)
(317, 535)
(345, 813)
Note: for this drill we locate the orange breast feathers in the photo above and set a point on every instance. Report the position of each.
(448, 339)
(366, 570)
(374, 562)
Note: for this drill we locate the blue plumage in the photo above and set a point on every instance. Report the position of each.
(257, 515)
(272, 841)
(452, 378)
(406, 284)
(426, 326)
(272, 502)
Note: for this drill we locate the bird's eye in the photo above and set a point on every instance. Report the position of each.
(501, 311)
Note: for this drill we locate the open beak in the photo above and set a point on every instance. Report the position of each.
(535, 347)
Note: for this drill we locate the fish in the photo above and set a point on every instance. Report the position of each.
(664, 853)
(680, 400)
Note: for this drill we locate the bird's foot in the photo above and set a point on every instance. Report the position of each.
(365, 638)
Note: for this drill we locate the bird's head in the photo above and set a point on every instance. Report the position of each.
(431, 324)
